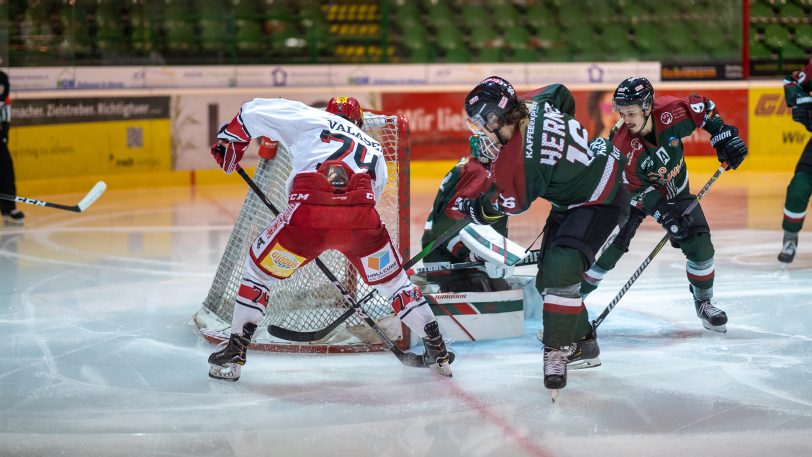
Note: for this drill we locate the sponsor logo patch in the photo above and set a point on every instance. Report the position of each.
(666, 118)
(281, 262)
(381, 264)
(673, 142)
(636, 144)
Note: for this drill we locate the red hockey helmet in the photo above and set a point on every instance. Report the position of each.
(348, 108)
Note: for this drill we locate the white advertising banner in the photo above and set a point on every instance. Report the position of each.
(190, 76)
(378, 75)
(283, 76)
(471, 74)
(590, 73)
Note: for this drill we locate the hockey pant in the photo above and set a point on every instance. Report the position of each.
(570, 243)
(302, 232)
(7, 179)
(697, 248)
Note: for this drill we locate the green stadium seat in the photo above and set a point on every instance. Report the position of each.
(248, 10)
(516, 37)
(600, 11)
(761, 13)
(776, 36)
(249, 39)
(491, 55)
(557, 53)
(548, 37)
(475, 19)
(482, 38)
(407, 16)
(448, 38)
(214, 36)
(540, 17)
(441, 16)
(758, 51)
(792, 51)
(792, 13)
(181, 39)
(525, 55)
(505, 15)
(570, 13)
(415, 38)
(110, 38)
(615, 38)
(458, 55)
(803, 36)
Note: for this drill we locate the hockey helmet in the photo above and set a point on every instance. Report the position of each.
(634, 91)
(489, 103)
(348, 108)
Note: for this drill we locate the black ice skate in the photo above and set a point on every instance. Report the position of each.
(712, 317)
(14, 217)
(787, 254)
(226, 362)
(555, 367)
(584, 353)
(436, 356)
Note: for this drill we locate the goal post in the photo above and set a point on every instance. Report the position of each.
(307, 301)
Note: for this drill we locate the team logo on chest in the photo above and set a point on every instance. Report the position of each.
(666, 118)
(673, 142)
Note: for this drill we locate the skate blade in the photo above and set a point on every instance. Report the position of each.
(442, 369)
(554, 395)
(714, 328)
(229, 373)
(583, 364)
(540, 336)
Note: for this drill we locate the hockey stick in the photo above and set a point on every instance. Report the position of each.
(407, 358)
(88, 200)
(315, 335)
(532, 257)
(657, 249)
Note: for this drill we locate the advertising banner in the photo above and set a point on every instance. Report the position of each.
(773, 133)
(197, 117)
(90, 136)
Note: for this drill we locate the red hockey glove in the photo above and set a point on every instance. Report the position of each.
(228, 155)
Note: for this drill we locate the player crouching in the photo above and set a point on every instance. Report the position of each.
(331, 205)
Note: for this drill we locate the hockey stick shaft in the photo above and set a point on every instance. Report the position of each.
(407, 358)
(532, 257)
(88, 199)
(656, 250)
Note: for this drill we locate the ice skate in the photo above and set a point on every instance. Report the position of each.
(555, 367)
(712, 317)
(787, 254)
(225, 363)
(584, 352)
(436, 356)
(14, 217)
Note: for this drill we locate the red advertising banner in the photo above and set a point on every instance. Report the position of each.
(437, 120)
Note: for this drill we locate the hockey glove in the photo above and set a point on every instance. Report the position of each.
(803, 115)
(729, 146)
(473, 209)
(228, 155)
(667, 214)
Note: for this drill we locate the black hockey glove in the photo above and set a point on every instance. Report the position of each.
(667, 214)
(803, 115)
(473, 209)
(729, 146)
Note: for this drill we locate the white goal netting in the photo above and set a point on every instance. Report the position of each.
(307, 301)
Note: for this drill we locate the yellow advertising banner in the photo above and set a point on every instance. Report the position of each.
(92, 148)
(775, 141)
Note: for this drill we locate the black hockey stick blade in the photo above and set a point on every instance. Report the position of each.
(293, 335)
(88, 199)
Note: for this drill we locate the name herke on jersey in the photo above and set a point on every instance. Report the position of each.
(553, 135)
(340, 127)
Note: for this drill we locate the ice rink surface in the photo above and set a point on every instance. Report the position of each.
(98, 357)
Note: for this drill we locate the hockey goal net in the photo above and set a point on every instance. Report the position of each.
(307, 301)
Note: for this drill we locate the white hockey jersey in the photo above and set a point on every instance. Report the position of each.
(313, 136)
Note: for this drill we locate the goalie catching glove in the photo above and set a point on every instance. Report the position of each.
(729, 146)
(478, 211)
(667, 214)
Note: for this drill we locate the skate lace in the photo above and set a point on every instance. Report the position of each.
(555, 361)
(707, 308)
(789, 247)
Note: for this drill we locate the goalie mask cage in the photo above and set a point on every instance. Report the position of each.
(307, 300)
